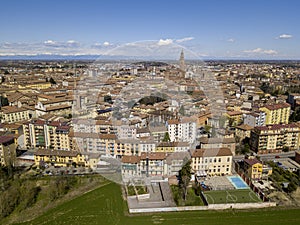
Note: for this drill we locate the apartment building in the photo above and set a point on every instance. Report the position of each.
(255, 119)
(275, 138)
(277, 113)
(184, 130)
(47, 134)
(105, 144)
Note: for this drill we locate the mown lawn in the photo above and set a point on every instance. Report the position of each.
(106, 206)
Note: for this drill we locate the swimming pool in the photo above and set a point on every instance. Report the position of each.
(238, 182)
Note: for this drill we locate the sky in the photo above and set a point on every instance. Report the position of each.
(255, 29)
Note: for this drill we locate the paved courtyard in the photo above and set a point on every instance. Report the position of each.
(160, 196)
(219, 183)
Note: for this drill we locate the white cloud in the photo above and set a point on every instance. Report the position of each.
(270, 52)
(72, 43)
(184, 39)
(165, 42)
(97, 44)
(262, 51)
(230, 40)
(285, 36)
(61, 44)
(106, 43)
(50, 42)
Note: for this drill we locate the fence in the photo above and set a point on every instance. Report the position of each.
(209, 207)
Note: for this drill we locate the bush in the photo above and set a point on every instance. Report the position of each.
(292, 187)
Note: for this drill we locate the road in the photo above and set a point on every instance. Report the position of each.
(267, 157)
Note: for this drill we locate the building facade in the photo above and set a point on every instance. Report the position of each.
(277, 113)
(184, 130)
(217, 161)
(47, 134)
(275, 138)
(255, 119)
(13, 114)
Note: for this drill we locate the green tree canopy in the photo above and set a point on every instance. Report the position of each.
(185, 177)
(166, 137)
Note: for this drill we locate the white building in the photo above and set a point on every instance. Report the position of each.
(255, 119)
(182, 130)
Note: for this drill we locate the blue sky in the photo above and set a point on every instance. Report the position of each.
(211, 28)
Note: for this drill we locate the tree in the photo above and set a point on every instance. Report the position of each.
(184, 178)
(3, 101)
(246, 149)
(207, 128)
(107, 98)
(166, 137)
(295, 117)
(52, 81)
(231, 121)
(285, 149)
(291, 187)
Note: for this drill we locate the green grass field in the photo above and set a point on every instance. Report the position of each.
(231, 196)
(106, 206)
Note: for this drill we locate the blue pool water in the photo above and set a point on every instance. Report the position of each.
(238, 182)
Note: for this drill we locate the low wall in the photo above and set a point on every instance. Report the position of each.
(209, 207)
(144, 196)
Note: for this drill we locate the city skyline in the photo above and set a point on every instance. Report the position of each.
(215, 29)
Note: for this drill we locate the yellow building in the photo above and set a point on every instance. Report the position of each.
(277, 113)
(172, 147)
(234, 117)
(253, 168)
(58, 158)
(165, 147)
(214, 161)
(35, 84)
(12, 114)
(91, 160)
(275, 138)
